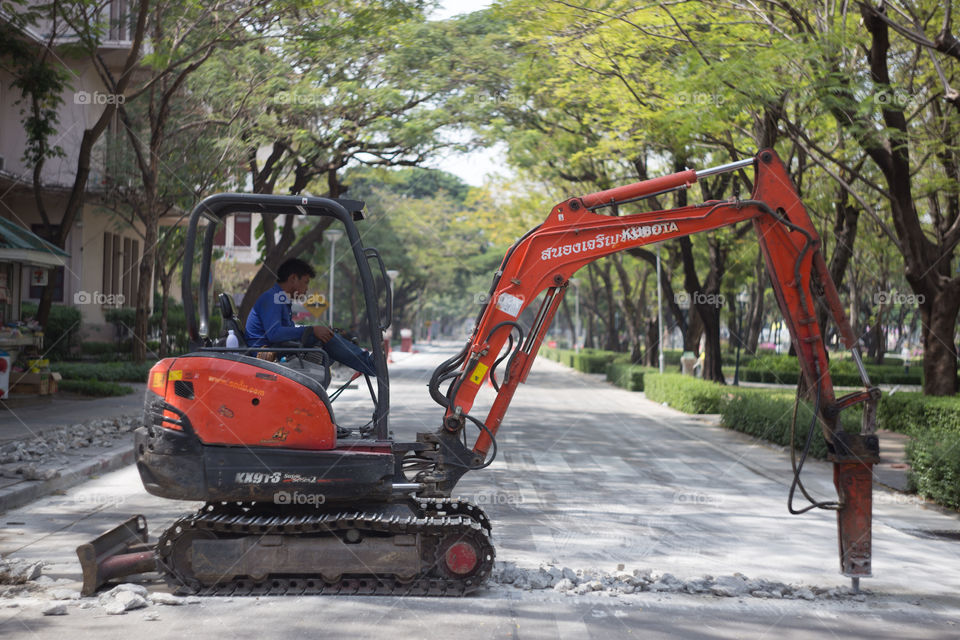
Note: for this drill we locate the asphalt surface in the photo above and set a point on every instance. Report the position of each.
(589, 476)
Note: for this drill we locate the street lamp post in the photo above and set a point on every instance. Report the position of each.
(683, 301)
(660, 343)
(742, 298)
(392, 274)
(388, 337)
(332, 235)
(576, 307)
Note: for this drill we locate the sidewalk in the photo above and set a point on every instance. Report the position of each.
(95, 437)
(30, 417)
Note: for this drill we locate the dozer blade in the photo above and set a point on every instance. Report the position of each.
(122, 551)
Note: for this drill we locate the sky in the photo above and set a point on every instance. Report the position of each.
(474, 167)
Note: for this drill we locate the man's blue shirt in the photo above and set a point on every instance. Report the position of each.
(271, 320)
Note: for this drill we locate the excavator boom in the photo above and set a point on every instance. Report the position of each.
(574, 235)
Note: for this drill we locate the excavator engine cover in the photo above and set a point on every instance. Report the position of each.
(235, 428)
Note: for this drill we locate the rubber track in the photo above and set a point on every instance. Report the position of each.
(435, 520)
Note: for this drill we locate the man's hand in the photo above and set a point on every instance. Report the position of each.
(323, 334)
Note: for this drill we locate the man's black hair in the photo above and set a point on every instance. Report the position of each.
(294, 267)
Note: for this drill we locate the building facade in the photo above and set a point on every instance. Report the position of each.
(104, 246)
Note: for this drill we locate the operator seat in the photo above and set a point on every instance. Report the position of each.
(228, 309)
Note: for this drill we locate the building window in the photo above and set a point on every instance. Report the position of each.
(220, 239)
(55, 279)
(119, 21)
(241, 230)
(121, 267)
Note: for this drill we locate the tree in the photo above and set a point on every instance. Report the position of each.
(348, 84)
(184, 34)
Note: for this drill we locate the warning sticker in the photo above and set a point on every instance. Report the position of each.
(509, 304)
(479, 371)
(176, 375)
(157, 379)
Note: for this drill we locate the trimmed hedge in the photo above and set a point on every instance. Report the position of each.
(933, 425)
(629, 376)
(587, 360)
(691, 395)
(935, 465)
(786, 370)
(913, 413)
(103, 371)
(767, 414)
(94, 388)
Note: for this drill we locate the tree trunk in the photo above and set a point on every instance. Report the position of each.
(706, 303)
(755, 313)
(939, 318)
(144, 288)
(651, 355)
(880, 338)
(164, 307)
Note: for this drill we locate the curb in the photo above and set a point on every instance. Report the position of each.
(27, 491)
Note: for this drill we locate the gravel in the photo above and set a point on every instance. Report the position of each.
(39, 458)
(55, 609)
(587, 581)
(19, 571)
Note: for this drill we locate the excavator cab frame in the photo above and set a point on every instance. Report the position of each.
(216, 208)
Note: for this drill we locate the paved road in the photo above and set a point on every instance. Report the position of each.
(589, 476)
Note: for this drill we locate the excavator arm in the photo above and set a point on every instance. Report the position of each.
(574, 235)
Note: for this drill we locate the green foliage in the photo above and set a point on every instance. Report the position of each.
(767, 414)
(95, 388)
(103, 371)
(629, 376)
(594, 360)
(684, 393)
(107, 350)
(934, 456)
(59, 335)
(784, 369)
(408, 182)
(933, 424)
(587, 360)
(914, 413)
(122, 316)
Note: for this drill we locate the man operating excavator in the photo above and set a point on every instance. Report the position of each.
(271, 320)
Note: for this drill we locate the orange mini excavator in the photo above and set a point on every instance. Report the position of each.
(296, 502)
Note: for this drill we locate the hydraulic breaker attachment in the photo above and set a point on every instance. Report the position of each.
(122, 551)
(853, 459)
